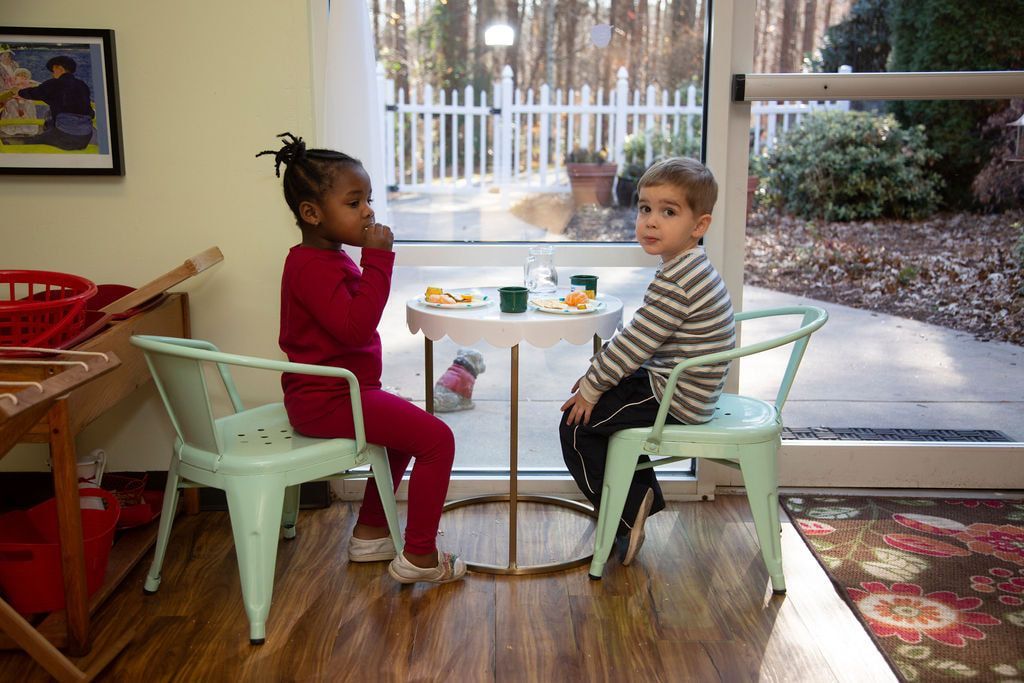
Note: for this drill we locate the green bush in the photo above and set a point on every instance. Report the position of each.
(953, 35)
(860, 41)
(634, 148)
(844, 166)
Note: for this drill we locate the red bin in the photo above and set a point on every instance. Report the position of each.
(30, 565)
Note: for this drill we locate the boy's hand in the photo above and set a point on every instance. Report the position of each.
(378, 236)
(579, 409)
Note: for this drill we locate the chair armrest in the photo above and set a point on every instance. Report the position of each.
(200, 350)
(813, 318)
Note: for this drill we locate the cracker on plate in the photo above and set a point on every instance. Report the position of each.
(550, 303)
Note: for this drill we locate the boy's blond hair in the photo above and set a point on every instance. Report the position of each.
(688, 175)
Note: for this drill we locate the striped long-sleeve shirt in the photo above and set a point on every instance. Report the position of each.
(686, 312)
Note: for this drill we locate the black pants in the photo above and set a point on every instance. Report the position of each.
(584, 447)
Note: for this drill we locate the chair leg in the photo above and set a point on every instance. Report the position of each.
(758, 464)
(163, 535)
(291, 511)
(620, 465)
(386, 489)
(255, 508)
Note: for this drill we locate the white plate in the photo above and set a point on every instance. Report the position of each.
(478, 301)
(591, 307)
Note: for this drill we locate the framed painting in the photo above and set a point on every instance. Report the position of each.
(59, 109)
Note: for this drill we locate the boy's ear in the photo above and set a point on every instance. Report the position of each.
(702, 225)
(310, 213)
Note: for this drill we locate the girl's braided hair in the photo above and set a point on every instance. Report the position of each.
(308, 172)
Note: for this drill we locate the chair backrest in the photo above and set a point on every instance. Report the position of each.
(177, 369)
(812, 318)
(176, 366)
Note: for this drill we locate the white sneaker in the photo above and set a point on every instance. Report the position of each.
(370, 550)
(636, 534)
(449, 568)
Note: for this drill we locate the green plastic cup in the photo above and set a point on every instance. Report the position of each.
(587, 283)
(512, 299)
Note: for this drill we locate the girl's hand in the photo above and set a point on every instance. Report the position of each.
(579, 410)
(378, 236)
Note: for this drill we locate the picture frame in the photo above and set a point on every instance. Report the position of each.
(75, 70)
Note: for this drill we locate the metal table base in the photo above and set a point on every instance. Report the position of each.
(513, 498)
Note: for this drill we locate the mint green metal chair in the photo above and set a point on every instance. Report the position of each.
(745, 433)
(254, 456)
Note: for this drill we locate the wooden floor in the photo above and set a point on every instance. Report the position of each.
(695, 606)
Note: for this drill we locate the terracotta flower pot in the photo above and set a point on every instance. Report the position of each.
(591, 183)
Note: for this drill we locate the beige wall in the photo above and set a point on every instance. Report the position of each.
(204, 86)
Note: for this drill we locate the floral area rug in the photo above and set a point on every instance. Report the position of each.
(939, 584)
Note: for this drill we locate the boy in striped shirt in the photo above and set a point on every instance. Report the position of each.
(686, 312)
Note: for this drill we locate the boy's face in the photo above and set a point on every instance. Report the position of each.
(665, 224)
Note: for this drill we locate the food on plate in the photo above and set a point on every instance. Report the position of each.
(578, 299)
(436, 295)
(556, 304)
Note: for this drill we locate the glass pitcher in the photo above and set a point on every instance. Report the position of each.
(539, 272)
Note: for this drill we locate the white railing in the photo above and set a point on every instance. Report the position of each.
(446, 142)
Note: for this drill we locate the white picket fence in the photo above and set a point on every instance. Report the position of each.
(446, 142)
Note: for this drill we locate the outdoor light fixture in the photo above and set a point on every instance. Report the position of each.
(1018, 144)
(499, 34)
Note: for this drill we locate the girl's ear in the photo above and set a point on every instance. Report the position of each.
(310, 213)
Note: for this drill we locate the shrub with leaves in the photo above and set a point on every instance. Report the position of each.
(586, 155)
(1000, 184)
(954, 35)
(844, 166)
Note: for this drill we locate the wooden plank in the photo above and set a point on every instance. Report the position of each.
(161, 284)
(91, 401)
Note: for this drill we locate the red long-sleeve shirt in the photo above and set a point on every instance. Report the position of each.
(329, 316)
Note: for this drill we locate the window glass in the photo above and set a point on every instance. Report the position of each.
(512, 121)
(902, 218)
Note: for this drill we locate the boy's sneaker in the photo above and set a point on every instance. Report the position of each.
(370, 550)
(636, 534)
(449, 568)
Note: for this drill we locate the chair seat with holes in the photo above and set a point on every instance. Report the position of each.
(262, 440)
(254, 456)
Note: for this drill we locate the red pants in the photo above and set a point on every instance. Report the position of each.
(407, 432)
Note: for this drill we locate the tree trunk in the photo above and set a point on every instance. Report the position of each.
(549, 43)
(810, 27)
(483, 59)
(787, 42)
(639, 64)
(401, 74)
(512, 16)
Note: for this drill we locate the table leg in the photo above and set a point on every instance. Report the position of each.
(428, 373)
(513, 459)
(69, 526)
(513, 498)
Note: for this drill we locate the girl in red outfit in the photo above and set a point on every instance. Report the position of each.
(330, 309)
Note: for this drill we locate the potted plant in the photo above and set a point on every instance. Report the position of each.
(590, 176)
(625, 185)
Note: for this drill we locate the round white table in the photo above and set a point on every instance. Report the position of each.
(467, 326)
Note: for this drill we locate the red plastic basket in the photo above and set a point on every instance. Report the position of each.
(30, 564)
(41, 308)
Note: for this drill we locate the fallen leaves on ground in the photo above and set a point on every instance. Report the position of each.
(959, 271)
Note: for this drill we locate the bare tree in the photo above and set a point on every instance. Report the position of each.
(810, 27)
(787, 41)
